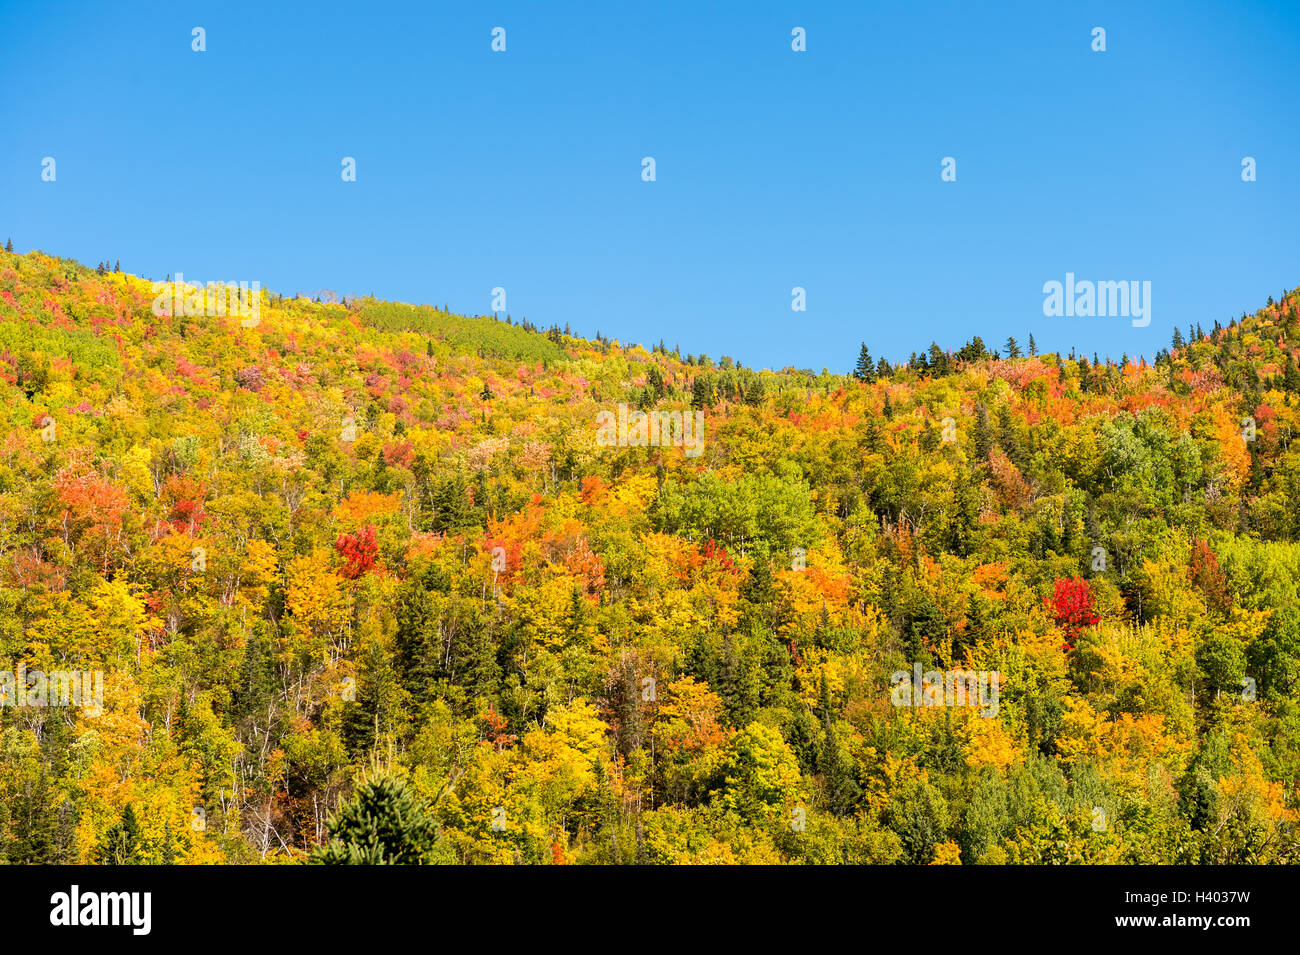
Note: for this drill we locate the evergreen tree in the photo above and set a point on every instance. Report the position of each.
(378, 707)
(865, 369)
(1291, 378)
(475, 659)
(1008, 438)
(739, 687)
(33, 822)
(655, 381)
(938, 358)
(702, 393)
(841, 789)
(6, 841)
(973, 350)
(384, 823)
(1033, 346)
(256, 688)
(758, 590)
(65, 835)
(1013, 350)
(168, 852)
(964, 519)
(417, 645)
(983, 433)
(122, 843)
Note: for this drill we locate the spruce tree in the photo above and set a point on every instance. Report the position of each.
(122, 842)
(33, 822)
(1291, 380)
(939, 361)
(384, 823)
(841, 789)
(378, 706)
(256, 688)
(65, 834)
(983, 433)
(865, 369)
(417, 642)
(169, 844)
(739, 684)
(702, 392)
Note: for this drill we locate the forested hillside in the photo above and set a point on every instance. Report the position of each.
(372, 566)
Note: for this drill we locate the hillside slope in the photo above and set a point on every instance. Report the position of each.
(373, 541)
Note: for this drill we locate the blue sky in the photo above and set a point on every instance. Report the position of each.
(775, 169)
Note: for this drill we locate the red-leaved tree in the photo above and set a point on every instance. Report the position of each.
(358, 550)
(1071, 604)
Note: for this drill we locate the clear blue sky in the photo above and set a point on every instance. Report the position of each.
(775, 169)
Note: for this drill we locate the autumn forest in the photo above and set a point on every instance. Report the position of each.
(363, 581)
